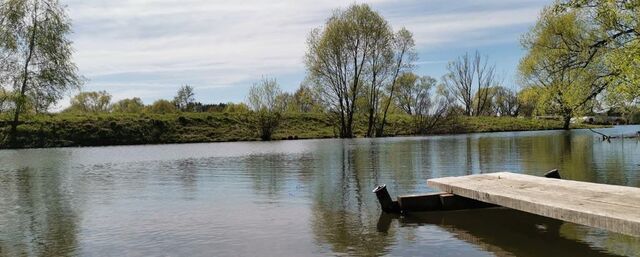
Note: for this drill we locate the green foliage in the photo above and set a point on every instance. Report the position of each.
(36, 53)
(634, 118)
(528, 101)
(162, 107)
(130, 105)
(268, 103)
(241, 108)
(90, 102)
(580, 50)
(418, 97)
(613, 31)
(304, 101)
(5, 100)
(356, 55)
(97, 129)
(567, 79)
(501, 101)
(266, 95)
(184, 98)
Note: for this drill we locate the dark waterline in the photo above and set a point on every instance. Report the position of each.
(297, 198)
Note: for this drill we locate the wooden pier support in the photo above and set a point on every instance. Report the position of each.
(425, 202)
(614, 208)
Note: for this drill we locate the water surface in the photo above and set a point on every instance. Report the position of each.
(297, 198)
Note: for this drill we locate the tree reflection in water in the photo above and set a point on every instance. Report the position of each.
(344, 217)
(37, 217)
(296, 197)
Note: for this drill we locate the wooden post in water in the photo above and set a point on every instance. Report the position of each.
(388, 205)
(554, 173)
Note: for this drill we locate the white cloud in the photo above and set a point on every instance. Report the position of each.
(142, 45)
(456, 27)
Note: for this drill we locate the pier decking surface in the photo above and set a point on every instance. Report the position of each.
(614, 208)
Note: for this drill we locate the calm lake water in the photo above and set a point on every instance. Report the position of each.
(297, 198)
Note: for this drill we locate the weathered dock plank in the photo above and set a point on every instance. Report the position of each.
(615, 208)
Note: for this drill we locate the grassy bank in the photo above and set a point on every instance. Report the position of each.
(61, 130)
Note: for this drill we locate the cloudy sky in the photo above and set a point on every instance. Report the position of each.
(149, 48)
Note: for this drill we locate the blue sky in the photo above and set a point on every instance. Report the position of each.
(149, 48)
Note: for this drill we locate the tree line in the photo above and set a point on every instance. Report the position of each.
(581, 57)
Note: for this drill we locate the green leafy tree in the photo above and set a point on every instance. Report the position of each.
(561, 62)
(241, 108)
(612, 31)
(378, 69)
(36, 53)
(162, 107)
(5, 100)
(184, 98)
(504, 102)
(266, 101)
(418, 97)
(336, 59)
(404, 55)
(353, 57)
(528, 99)
(90, 102)
(500, 101)
(304, 101)
(287, 100)
(129, 105)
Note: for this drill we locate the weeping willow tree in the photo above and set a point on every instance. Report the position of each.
(580, 50)
(36, 53)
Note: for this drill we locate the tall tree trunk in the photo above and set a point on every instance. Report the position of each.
(380, 132)
(349, 129)
(566, 121)
(373, 99)
(371, 122)
(25, 79)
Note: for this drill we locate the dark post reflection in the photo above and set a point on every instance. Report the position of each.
(343, 208)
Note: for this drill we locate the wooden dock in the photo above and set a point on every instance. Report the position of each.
(614, 208)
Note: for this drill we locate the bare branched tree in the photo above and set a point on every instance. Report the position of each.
(468, 79)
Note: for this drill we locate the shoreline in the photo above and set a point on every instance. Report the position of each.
(286, 140)
(63, 130)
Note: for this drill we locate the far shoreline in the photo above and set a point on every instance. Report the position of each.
(60, 131)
